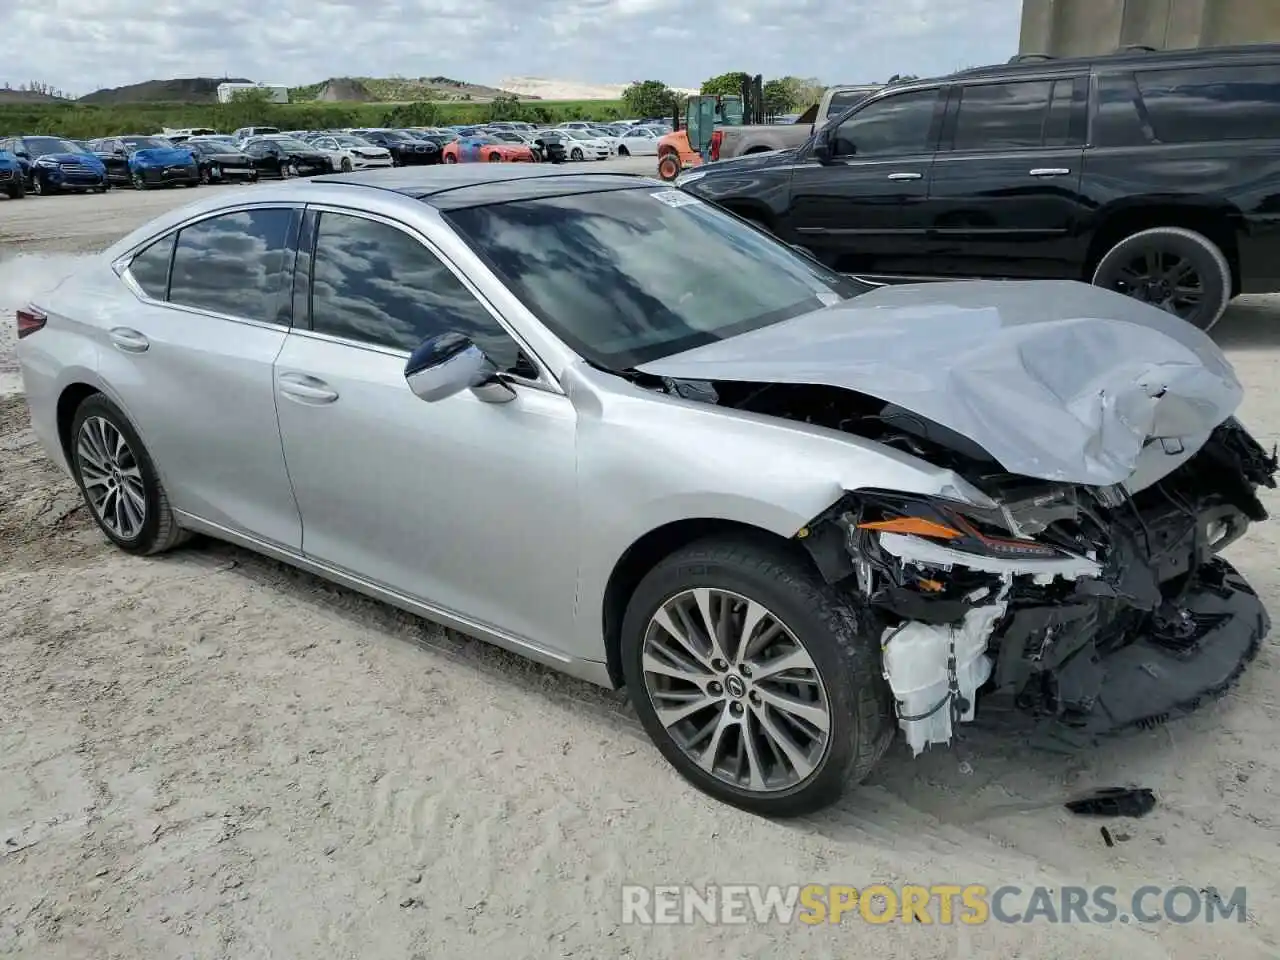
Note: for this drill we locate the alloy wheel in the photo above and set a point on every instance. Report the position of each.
(736, 690)
(112, 477)
(1163, 279)
(37, 187)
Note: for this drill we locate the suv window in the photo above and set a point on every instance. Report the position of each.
(1002, 116)
(1195, 104)
(150, 267)
(374, 283)
(232, 264)
(898, 124)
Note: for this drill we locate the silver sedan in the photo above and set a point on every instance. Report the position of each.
(597, 421)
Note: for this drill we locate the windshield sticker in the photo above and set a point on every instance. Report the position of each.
(675, 198)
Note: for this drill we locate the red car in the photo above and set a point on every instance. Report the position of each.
(482, 149)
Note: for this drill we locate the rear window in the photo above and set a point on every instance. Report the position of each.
(1197, 104)
(844, 99)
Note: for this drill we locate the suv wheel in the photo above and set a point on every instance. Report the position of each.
(1178, 270)
(759, 682)
(118, 481)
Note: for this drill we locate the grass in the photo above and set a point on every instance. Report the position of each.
(82, 122)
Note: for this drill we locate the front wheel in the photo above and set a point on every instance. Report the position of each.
(1178, 270)
(17, 190)
(760, 683)
(576, 155)
(346, 164)
(623, 152)
(668, 166)
(494, 158)
(118, 481)
(138, 182)
(450, 158)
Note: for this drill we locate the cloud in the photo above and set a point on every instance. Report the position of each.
(81, 45)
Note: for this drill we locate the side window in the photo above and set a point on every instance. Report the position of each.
(846, 99)
(1058, 130)
(232, 264)
(1002, 116)
(1119, 120)
(376, 284)
(1194, 104)
(150, 267)
(896, 125)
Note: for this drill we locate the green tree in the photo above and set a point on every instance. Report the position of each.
(254, 97)
(649, 98)
(779, 96)
(727, 84)
(418, 114)
(506, 108)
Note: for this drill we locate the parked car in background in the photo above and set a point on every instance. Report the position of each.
(520, 138)
(219, 164)
(1150, 173)
(552, 144)
(279, 156)
(584, 146)
(638, 142)
(12, 182)
(245, 133)
(145, 161)
(795, 514)
(348, 152)
(53, 164)
(486, 149)
(405, 150)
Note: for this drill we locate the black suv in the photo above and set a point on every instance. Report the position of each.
(1153, 173)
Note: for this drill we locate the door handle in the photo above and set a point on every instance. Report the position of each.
(299, 386)
(1050, 171)
(906, 176)
(129, 340)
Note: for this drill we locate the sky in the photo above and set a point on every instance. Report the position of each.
(82, 45)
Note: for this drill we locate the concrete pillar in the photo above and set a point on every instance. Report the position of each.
(1186, 23)
(1145, 23)
(1036, 35)
(1240, 21)
(1081, 29)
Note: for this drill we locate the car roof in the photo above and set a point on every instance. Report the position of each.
(1136, 56)
(455, 186)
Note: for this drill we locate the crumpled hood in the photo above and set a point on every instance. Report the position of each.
(1057, 380)
(161, 156)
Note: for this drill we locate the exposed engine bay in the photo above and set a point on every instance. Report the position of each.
(1089, 609)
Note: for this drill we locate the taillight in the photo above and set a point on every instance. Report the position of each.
(29, 321)
(715, 144)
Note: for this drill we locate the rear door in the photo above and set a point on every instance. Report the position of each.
(863, 210)
(1005, 196)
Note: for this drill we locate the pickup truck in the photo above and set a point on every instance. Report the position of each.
(675, 153)
(739, 141)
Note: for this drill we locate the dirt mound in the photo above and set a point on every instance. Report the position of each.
(184, 90)
(344, 89)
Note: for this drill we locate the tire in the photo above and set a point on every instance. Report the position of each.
(1168, 249)
(205, 175)
(623, 151)
(138, 182)
(576, 154)
(346, 164)
(450, 158)
(840, 637)
(158, 530)
(17, 191)
(494, 158)
(668, 166)
(38, 187)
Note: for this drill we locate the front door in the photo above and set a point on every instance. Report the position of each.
(192, 362)
(442, 502)
(863, 210)
(1005, 198)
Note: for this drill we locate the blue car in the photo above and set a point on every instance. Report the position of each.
(52, 164)
(12, 179)
(147, 161)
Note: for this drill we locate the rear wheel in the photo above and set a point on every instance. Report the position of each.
(346, 164)
(758, 682)
(668, 166)
(17, 190)
(1178, 270)
(450, 158)
(494, 158)
(623, 151)
(118, 480)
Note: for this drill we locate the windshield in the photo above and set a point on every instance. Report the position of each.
(43, 146)
(216, 143)
(148, 143)
(481, 138)
(627, 276)
(576, 134)
(351, 142)
(291, 143)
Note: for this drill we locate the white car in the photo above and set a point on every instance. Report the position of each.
(638, 142)
(583, 146)
(350, 152)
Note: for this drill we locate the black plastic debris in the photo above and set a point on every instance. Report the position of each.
(1106, 837)
(1114, 802)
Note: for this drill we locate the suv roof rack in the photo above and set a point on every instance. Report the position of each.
(1031, 57)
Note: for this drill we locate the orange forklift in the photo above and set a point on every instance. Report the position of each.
(694, 137)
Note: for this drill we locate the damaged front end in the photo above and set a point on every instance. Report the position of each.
(1091, 609)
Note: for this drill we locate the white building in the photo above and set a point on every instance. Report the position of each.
(276, 92)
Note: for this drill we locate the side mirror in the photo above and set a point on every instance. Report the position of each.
(823, 146)
(23, 154)
(450, 363)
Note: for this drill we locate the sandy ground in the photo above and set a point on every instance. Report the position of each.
(210, 755)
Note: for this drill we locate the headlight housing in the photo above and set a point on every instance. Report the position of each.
(955, 525)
